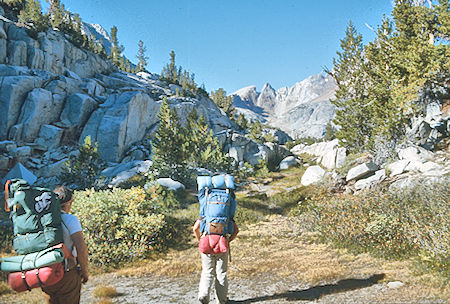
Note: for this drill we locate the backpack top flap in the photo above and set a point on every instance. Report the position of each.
(36, 218)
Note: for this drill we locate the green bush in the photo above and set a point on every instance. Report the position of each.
(392, 224)
(122, 225)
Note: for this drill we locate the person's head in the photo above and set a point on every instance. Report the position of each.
(66, 197)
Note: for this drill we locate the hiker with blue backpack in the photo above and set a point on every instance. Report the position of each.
(215, 229)
(68, 290)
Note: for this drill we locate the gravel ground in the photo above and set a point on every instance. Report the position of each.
(266, 288)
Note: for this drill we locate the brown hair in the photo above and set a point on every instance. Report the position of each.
(64, 194)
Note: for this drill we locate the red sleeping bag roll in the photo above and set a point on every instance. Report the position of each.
(213, 244)
(42, 277)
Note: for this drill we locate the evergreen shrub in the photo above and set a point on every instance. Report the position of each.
(122, 225)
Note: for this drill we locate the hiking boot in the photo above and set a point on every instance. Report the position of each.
(203, 300)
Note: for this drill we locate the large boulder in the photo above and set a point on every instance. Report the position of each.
(415, 154)
(288, 162)
(244, 149)
(49, 136)
(170, 184)
(312, 175)
(39, 108)
(13, 92)
(77, 110)
(120, 122)
(361, 171)
(3, 50)
(378, 177)
(17, 52)
(329, 154)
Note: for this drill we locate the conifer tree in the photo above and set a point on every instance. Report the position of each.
(169, 159)
(142, 57)
(56, 13)
(223, 101)
(170, 72)
(116, 49)
(202, 148)
(82, 170)
(32, 13)
(351, 100)
(256, 131)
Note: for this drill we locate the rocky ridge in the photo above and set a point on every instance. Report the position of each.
(54, 94)
(302, 110)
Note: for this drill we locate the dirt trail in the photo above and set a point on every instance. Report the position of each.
(272, 262)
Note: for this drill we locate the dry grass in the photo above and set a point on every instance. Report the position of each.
(276, 246)
(35, 296)
(105, 292)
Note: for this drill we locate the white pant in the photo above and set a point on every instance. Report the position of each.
(214, 269)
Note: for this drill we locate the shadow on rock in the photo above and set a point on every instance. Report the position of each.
(314, 293)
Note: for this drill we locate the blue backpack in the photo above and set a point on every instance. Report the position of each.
(217, 204)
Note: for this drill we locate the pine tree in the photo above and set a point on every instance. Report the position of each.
(256, 131)
(242, 121)
(32, 14)
(202, 148)
(351, 100)
(116, 49)
(83, 170)
(56, 13)
(223, 101)
(169, 159)
(170, 72)
(141, 56)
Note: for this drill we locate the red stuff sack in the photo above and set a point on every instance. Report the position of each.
(213, 244)
(41, 277)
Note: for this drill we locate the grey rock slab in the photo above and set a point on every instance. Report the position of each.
(313, 174)
(361, 171)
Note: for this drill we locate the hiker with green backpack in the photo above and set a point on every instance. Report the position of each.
(68, 290)
(47, 241)
(215, 229)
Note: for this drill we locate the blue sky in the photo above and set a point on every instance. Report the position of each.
(232, 44)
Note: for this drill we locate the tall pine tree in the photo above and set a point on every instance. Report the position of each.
(202, 148)
(116, 49)
(141, 56)
(351, 100)
(168, 155)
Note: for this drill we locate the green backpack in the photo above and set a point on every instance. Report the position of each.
(36, 216)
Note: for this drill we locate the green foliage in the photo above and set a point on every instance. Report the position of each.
(32, 13)
(116, 50)
(352, 114)
(141, 57)
(301, 140)
(392, 224)
(169, 157)
(256, 131)
(173, 74)
(383, 85)
(242, 121)
(223, 101)
(83, 170)
(177, 150)
(202, 148)
(330, 132)
(121, 225)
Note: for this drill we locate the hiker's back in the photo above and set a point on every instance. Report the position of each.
(217, 204)
(36, 217)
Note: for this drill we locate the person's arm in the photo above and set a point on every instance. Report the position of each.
(196, 229)
(235, 231)
(82, 254)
